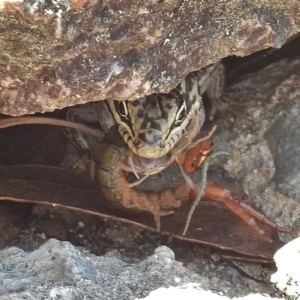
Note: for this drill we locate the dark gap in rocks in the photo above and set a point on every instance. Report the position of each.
(236, 67)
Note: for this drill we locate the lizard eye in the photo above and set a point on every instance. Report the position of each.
(181, 114)
(122, 109)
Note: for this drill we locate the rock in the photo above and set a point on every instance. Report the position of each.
(58, 270)
(287, 260)
(54, 261)
(191, 292)
(56, 54)
(265, 144)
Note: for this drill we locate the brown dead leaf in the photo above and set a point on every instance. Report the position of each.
(211, 225)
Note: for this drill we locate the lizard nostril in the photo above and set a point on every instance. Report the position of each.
(140, 138)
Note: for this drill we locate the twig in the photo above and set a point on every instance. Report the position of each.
(202, 187)
(9, 122)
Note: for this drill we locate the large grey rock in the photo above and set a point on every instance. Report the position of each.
(57, 270)
(265, 145)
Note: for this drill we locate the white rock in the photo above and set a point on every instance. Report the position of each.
(194, 292)
(287, 278)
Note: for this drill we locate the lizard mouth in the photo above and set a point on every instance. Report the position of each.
(149, 166)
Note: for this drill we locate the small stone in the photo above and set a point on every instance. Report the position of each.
(80, 224)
